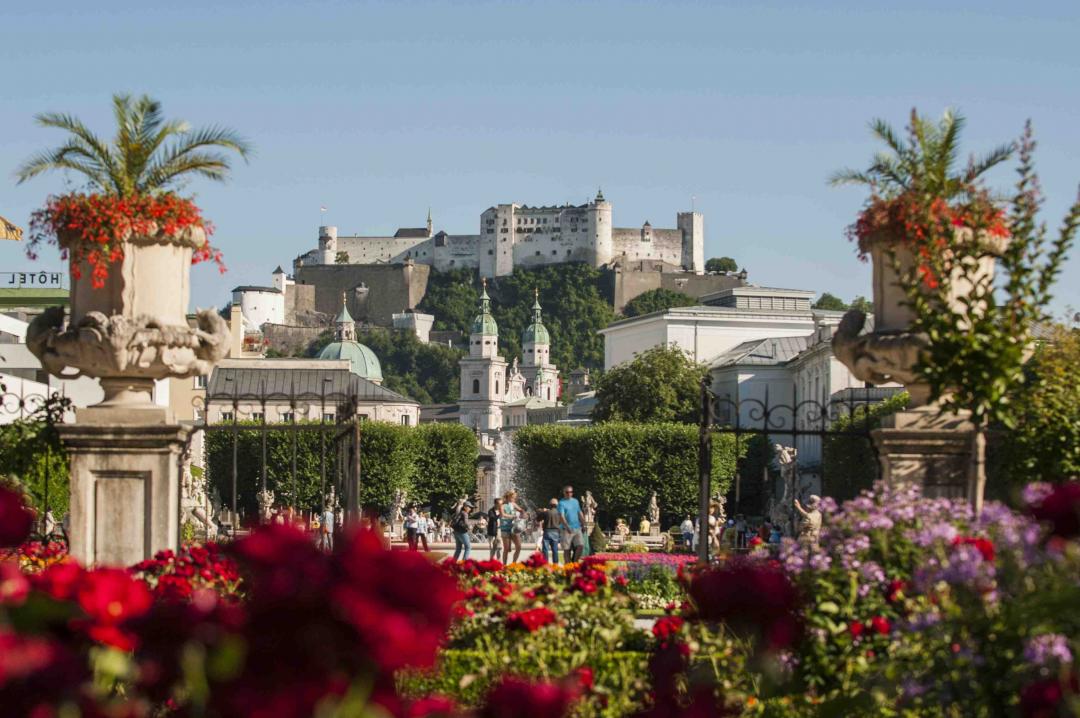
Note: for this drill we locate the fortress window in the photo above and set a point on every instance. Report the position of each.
(491, 252)
(491, 230)
(475, 386)
(568, 252)
(554, 251)
(538, 253)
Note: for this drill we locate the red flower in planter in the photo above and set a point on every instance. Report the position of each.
(16, 520)
(749, 595)
(1060, 509)
(531, 620)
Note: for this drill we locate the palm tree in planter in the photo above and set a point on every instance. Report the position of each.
(973, 273)
(130, 240)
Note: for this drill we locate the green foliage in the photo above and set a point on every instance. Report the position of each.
(926, 162)
(31, 452)
(434, 463)
(575, 308)
(341, 258)
(830, 302)
(657, 300)
(660, 384)
(849, 463)
(148, 153)
(862, 304)
(721, 264)
(1045, 444)
(622, 464)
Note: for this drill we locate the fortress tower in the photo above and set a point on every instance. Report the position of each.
(599, 229)
(328, 246)
(483, 373)
(692, 226)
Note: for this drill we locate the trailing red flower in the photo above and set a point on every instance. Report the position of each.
(1060, 510)
(93, 229)
(16, 520)
(531, 620)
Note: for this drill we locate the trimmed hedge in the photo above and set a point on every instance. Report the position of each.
(622, 464)
(849, 463)
(434, 463)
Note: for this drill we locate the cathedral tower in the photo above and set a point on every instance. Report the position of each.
(483, 372)
(541, 376)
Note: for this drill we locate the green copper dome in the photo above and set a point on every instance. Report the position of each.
(363, 360)
(484, 323)
(536, 333)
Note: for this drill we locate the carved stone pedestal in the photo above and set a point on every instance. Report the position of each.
(125, 484)
(920, 447)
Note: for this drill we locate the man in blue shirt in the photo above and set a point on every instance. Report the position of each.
(573, 540)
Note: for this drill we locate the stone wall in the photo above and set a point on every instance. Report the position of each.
(375, 292)
(290, 340)
(631, 279)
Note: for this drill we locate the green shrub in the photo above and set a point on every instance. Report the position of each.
(622, 464)
(849, 463)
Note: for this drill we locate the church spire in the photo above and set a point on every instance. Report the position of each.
(484, 323)
(429, 225)
(346, 327)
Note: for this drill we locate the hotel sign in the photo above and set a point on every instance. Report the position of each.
(51, 280)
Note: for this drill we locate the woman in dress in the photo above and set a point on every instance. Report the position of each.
(509, 526)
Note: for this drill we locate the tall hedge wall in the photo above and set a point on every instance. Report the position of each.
(622, 464)
(434, 463)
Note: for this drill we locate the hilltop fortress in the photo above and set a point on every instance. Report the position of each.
(513, 235)
(384, 278)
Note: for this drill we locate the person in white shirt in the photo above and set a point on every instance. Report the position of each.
(687, 530)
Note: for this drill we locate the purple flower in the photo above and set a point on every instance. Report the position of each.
(1049, 650)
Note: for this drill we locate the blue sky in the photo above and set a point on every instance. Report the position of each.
(380, 110)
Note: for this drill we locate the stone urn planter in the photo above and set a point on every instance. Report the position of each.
(891, 350)
(133, 329)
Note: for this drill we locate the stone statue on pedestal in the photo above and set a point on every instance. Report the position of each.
(265, 502)
(780, 511)
(588, 510)
(654, 515)
(397, 515)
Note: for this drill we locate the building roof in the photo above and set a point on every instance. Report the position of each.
(440, 412)
(17, 297)
(363, 361)
(254, 288)
(710, 312)
(411, 232)
(772, 351)
(531, 402)
(279, 384)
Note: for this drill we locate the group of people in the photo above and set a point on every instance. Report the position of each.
(320, 524)
(740, 534)
(560, 524)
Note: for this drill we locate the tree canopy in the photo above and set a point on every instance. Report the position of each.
(657, 300)
(721, 264)
(660, 384)
(830, 302)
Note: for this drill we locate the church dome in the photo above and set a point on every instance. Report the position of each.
(363, 361)
(484, 323)
(536, 333)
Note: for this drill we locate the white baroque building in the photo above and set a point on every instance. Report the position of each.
(519, 235)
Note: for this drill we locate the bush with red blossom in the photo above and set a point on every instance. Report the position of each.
(16, 520)
(531, 620)
(179, 575)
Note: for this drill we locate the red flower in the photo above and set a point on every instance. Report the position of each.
(14, 586)
(516, 698)
(110, 597)
(531, 620)
(16, 520)
(1060, 509)
(856, 629)
(667, 627)
(983, 545)
(1046, 698)
(895, 589)
(59, 580)
(434, 706)
(537, 560)
(749, 595)
(881, 625)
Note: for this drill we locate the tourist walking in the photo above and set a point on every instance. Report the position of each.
(423, 529)
(494, 515)
(552, 524)
(740, 531)
(328, 528)
(573, 542)
(511, 526)
(412, 523)
(686, 528)
(460, 526)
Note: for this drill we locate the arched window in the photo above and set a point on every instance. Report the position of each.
(475, 386)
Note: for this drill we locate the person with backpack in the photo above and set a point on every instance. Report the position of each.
(460, 526)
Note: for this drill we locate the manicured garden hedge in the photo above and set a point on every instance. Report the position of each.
(622, 464)
(434, 463)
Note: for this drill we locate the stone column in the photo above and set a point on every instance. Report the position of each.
(922, 447)
(125, 485)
